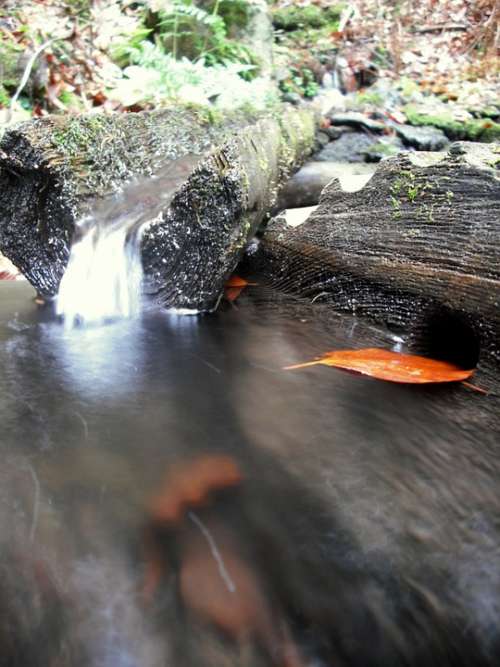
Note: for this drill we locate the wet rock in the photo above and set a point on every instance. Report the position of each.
(305, 187)
(425, 138)
(332, 133)
(383, 149)
(350, 147)
(357, 120)
(322, 138)
(292, 98)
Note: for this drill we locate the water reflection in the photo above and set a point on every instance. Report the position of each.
(170, 496)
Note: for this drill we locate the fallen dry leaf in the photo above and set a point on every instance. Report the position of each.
(236, 281)
(234, 286)
(391, 366)
(7, 275)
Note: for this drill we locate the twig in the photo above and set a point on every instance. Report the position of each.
(348, 13)
(215, 552)
(441, 27)
(36, 502)
(27, 73)
(474, 387)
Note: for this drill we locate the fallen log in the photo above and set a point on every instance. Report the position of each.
(54, 171)
(418, 249)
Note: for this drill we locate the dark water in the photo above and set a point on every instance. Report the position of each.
(170, 496)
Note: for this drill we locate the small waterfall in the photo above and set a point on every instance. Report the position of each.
(103, 279)
(104, 274)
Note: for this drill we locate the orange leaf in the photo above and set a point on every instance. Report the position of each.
(236, 281)
(234, 286)
(232, 293)
(391, 366)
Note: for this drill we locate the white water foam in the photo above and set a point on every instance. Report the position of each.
(103, 279)
(104, 275)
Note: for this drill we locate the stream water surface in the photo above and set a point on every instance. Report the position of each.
(169, 495)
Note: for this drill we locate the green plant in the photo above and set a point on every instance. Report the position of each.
(236, 13)
(310, 16)
(4, 97)
(78, 8)
(9, 58)
(372, 98)
(127, 52)
(155, 76)
(186, 30)
(301, 81)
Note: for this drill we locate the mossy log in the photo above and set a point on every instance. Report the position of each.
(54, 171)
(418, 248)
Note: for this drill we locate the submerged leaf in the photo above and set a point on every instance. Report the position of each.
(391, 366)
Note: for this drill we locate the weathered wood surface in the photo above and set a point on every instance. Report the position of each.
(418, 248)
(54, 170)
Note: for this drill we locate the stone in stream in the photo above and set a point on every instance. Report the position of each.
(425, 138)
(350, 147)
(357, 120)
(387, 147)
(306, 186)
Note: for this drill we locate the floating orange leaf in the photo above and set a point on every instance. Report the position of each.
(391, 366)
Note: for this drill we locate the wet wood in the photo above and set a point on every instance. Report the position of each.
(417, 248)
(54, 170)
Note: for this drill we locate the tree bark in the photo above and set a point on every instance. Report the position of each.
(54, 171)
(418, 248)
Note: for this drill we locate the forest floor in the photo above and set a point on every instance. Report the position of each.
(446, 50)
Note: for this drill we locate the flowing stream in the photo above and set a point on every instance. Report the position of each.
(171, 497)
(103, 279)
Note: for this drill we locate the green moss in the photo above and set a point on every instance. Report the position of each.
(473, 130)
(452, 128)
(80, 134)
(406, 187)
(301, 80)
(490, 131)
(396, 207)
(297, 139)
(426, 211)
(293, 17)
(369, 98)
(236, 13)
(407, 86)
(9, 73)
(383, 148)
(206, 115)
(4, 97)
(490, 112)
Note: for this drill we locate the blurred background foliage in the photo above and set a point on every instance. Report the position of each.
(127, 55)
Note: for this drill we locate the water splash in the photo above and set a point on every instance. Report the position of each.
(103, 279)
(104, 276)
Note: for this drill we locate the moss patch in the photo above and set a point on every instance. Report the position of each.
(293, 17)
(474, 130)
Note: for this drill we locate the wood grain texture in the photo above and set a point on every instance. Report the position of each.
(417, 246)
